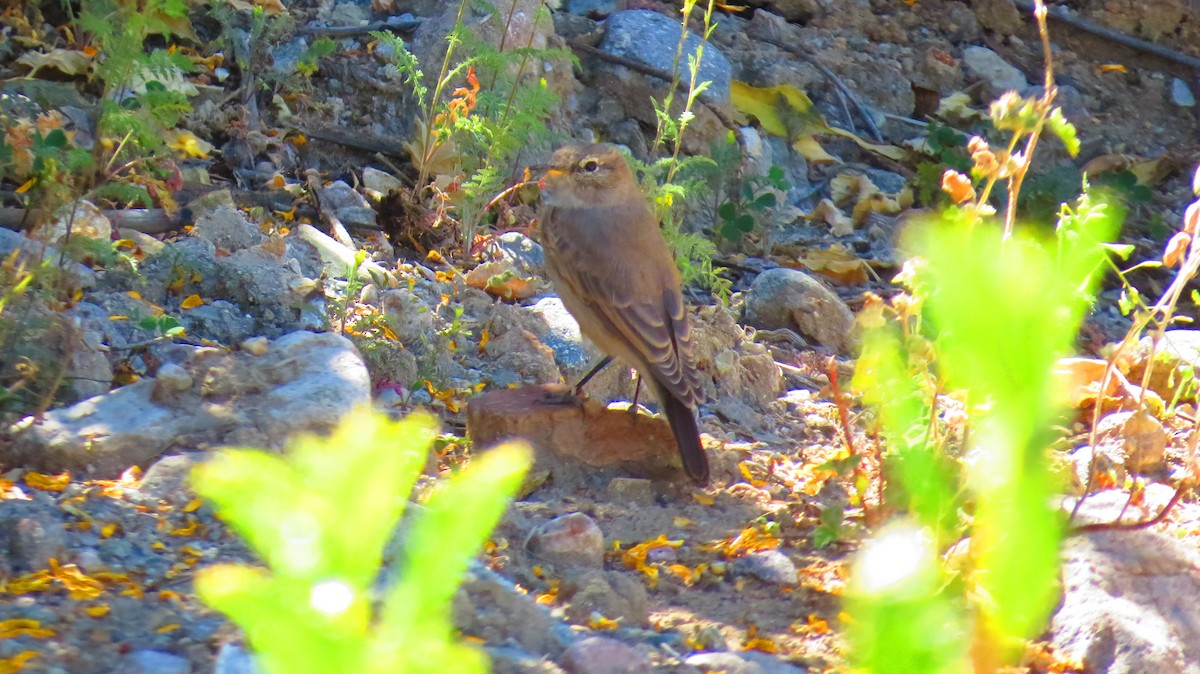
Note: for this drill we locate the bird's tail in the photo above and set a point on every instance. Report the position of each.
(687, 435)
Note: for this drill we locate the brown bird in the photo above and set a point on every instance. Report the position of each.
(614, 272)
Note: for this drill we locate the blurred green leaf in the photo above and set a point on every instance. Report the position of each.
(321, 518)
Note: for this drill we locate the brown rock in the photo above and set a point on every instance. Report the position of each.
(999, 16)
(570, 540)
(1136, 436)
(584, 432)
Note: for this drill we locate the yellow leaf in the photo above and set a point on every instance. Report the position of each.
(191, 302)
(188, 144)
(787, 111)
(17, 662)
(599, 622)
(193, 505)
(48, 482)
(28, 184)
(65, 61)
(97, 611)
(135, 294)
(1112, 68)
(171, 627)
(108, 530)
(837, 263)
(810, 149)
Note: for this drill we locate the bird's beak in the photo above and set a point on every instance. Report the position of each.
(551, 173)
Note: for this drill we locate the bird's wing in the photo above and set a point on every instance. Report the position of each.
(633, 290)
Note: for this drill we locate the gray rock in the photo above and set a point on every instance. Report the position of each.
(411, 319)
(258, 280)
(769, 566)
(523, 251)
(205, 204)
(998, 75)
(770, 664)
(487, 606)
(596, 9)
(220, 321)
(232, 659)
(729, 663)
(155, 662)
(732, 365)
(998, 16)
(225, 227)
(631, 491)
(563, 336)
(789, 298)
(168, 478)
(614, 595)
(1128, 597)
(1181, 94)
(347, 204)
(379, 181)
(89, 373)
(509, 660)
(339, 194)
(75, 274)
(571, 540)
(650, 38)
(29, 537)
(601, 655)
(285, 56)
(521, 351)
(305, 383)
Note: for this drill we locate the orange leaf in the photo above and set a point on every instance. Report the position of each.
(48, 482)
(191, 302)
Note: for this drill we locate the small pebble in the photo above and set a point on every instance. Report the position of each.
(1181, 94)
(256, 346)
(570, 540)
(770, 566)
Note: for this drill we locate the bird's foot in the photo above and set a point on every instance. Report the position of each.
(558, 394)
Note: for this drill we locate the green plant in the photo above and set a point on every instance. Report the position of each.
(319, 49)
(747, 209)
(670, 127)
(321, 518)
(948, 147)
(987, 313)
(465, 146)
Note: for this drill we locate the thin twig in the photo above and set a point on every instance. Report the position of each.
(402, 26)
(844, 416)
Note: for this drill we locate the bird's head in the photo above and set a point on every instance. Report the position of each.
(579, 175)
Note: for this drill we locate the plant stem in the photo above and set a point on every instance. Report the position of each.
(452, 41)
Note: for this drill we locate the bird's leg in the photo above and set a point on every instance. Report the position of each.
(600, 365)
(637, 392)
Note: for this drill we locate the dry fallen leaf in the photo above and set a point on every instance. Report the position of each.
(65, 61)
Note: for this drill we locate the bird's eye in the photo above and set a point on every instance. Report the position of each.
(589, 166)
